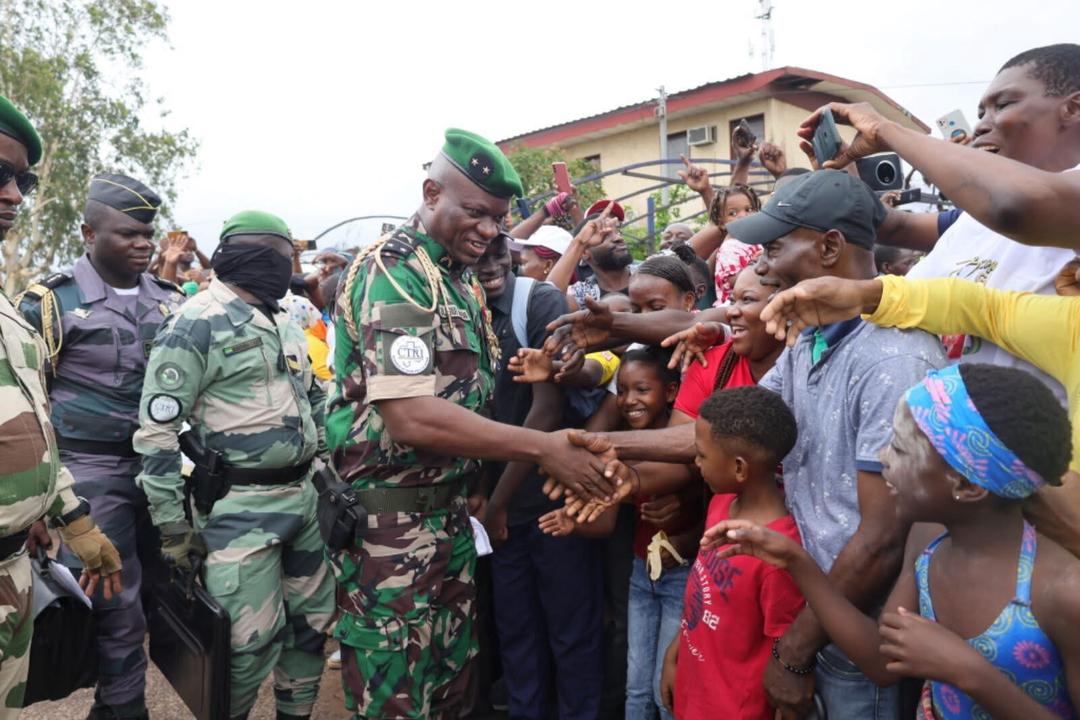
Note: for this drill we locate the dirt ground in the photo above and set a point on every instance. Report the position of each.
(164, 704)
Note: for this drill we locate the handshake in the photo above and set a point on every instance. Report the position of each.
(586, 466)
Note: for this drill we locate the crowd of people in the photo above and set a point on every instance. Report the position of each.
(813, 459)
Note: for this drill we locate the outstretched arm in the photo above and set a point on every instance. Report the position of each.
(1025, 203)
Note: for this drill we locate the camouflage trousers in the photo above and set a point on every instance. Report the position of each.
(16, 631)
(120, 509)
(267, 567)
(407, 628)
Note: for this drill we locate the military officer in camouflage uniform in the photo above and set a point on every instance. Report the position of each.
(33, 481)
(99, 323)
(415, 354)
(232, 365)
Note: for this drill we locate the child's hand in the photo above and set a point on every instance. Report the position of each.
(745, 538)
(662, 511)
(531, 366)
(918, 647)
(556, 523)
(667, 676)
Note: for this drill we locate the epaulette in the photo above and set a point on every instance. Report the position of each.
(398, 245)
(39, 289)
(167, 284)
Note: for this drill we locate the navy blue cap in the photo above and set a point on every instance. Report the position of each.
(822, 200)
(125, 194)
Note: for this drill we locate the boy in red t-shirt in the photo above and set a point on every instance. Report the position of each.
(734, 607)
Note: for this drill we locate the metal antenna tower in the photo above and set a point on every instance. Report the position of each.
(765, 8)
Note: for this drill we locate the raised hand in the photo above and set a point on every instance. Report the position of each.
(817, 302)
(743, 537)
(695, 177)
(174, 247)
(742, 145)
(595, 231)
(772, 159)
(531, 366)
(1067, 281)
(579, 330)
(867, 123)
(691, 344)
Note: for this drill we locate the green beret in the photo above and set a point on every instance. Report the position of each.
(483, 163)
(255, 222)
(15, 124)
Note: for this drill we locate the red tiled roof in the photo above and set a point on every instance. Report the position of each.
(788, 81)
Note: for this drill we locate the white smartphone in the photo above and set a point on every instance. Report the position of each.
(953, 124)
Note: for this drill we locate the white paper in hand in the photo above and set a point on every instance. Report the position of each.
(58, 582)
(480, 538)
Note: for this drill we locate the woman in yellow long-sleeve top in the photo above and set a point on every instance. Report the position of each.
(1042, 329)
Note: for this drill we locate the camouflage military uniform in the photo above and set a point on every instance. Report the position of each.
(32, 484)
(245, 385)
(407, 603)
(104, 339)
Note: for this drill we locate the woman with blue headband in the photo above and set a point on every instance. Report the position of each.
(988, 611)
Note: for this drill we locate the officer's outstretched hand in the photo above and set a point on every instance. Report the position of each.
(99, 557)
(178, 542)
(583, 463)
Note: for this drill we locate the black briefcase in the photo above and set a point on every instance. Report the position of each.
(190, 644)
(63, 652)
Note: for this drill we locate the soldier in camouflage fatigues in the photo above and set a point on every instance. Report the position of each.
(237, 370)
(101, 337)
(32, 481)
(415, 348)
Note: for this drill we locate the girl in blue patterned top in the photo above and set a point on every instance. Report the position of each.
(996, 601)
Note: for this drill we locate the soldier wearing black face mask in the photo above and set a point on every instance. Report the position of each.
(234, 366)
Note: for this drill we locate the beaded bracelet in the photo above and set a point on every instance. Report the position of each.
(790, 668)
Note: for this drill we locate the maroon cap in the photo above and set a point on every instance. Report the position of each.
(599, 205)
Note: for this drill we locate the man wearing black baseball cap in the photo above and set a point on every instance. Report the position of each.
(842, 382)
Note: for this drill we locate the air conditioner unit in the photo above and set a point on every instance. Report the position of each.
(704, 135)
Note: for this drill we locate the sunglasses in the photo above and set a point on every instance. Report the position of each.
(26, 181)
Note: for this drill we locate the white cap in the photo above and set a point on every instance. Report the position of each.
(552, 237)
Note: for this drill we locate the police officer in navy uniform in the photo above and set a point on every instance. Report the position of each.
(99, 323)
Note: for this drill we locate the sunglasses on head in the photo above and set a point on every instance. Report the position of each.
(26, 181)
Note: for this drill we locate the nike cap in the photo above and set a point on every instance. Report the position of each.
(822, 200)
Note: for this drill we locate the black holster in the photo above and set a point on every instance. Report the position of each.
(207, 483)
(342, 517)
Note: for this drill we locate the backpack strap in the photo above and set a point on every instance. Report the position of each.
(519, 309)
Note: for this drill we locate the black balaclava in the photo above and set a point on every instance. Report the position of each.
(260, 269)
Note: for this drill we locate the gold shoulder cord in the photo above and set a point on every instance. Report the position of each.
(430, 271)
(50, 311)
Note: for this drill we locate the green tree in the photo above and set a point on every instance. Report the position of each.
(681, 200)
(74, 67)
(534, 167)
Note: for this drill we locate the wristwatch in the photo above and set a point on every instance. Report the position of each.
(66, 519)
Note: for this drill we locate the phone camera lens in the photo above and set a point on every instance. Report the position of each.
(886, 172)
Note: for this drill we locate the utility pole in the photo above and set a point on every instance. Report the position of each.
(765, 9)
(661, 114)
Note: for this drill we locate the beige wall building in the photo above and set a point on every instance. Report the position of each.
(700, 122)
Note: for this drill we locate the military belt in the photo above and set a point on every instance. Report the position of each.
(258, 476)
(122, 448)
(412, 499)
(13, 543)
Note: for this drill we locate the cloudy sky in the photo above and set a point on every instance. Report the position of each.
(321, 111)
